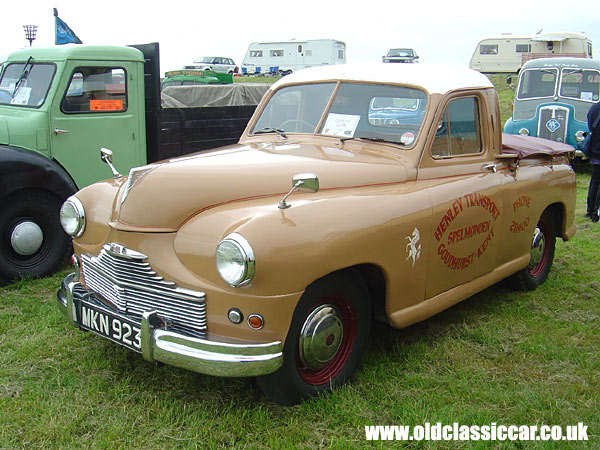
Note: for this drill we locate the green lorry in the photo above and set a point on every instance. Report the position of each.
(58, 107)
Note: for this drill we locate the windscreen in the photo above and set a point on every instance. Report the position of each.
(580, 84)
(26, 84)
(357, 111)
(537, 83)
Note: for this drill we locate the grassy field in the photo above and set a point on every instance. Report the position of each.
(499, 357)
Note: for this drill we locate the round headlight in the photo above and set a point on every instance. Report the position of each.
(235, 260)
(524, 132)
(579, 136)
(72, 217)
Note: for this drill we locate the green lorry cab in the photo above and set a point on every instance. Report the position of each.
(58, 107)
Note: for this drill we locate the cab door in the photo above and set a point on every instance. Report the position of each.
(95, 107)
(465, 194)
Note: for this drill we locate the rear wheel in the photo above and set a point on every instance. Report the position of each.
(541, 255)
(32, 241)
(326, 340)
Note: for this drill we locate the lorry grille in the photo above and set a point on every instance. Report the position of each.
(122, 277)
(553, 123)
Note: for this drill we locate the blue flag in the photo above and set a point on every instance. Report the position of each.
(64, 35)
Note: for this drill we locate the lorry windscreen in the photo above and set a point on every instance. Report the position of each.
(376, 112)
(537, 83)
(33, 81)
(580, 84)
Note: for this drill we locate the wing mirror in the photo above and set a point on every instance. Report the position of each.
(307, 182)
(106, 156)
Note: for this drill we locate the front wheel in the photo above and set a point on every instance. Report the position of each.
(32, 241)
(326, 339)
(541, 255)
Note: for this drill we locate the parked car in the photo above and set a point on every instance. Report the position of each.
(214, 63)
(271, 257)
(553, 97)
(401, 55)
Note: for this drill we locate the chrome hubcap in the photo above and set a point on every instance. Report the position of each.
(321, 336)
(537, 248)
(26, 238)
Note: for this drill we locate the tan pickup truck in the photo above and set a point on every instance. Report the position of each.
(355, 193)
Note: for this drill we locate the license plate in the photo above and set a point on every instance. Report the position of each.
(109, 325)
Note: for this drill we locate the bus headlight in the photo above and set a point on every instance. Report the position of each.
(524, 132)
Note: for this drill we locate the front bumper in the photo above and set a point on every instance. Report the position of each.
(192, 353)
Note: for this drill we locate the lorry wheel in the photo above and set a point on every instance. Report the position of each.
(32, 241)
(541, 256)
(325, 342)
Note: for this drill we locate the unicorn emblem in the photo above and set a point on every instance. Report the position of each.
(413, 247)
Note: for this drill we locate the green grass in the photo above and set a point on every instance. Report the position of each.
(500, 356)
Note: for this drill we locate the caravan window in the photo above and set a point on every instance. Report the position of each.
(276, 53)
(523, 48)
(485, 49)
(580, 84)
(537, 83)
(256, 53)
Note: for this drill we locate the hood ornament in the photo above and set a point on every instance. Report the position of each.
(307, 182)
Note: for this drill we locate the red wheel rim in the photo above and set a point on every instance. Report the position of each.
(328, 372)
(537, 264)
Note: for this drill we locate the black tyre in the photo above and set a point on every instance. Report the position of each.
(32, 241)
(326, 340)
(542, 255)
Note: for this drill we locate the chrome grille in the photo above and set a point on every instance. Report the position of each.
(553, 123)
(123, 277)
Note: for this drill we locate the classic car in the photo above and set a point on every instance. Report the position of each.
(270, 258)
(400, 55)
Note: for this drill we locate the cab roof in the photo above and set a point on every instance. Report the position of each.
(435, 79)
(580, 63)
(77, 51)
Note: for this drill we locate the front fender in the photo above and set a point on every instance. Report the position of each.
(317, 235)
(24, 169)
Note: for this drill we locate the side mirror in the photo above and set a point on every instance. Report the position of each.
(307, 182)
(509, 79)
(106, 156)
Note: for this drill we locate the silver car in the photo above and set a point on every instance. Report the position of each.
(214, 63)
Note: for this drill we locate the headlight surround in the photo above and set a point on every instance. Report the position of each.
(579, 136)
(234, 259)
(72, 217)
(524, 132)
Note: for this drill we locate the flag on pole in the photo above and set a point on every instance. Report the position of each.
(64, 35)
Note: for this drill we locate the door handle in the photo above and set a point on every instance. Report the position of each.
(491, 167)
(58, 131)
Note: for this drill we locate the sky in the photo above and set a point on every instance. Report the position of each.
(445, 31)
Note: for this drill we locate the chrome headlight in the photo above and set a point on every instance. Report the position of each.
(524, 132)
(234, 258)
(72, 217)
(579, 136)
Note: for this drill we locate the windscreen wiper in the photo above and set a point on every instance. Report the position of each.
(279, 131)
(372, 139)
(22, 77)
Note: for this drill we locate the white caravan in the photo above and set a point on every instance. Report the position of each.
(285, 57)
(507, 52)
